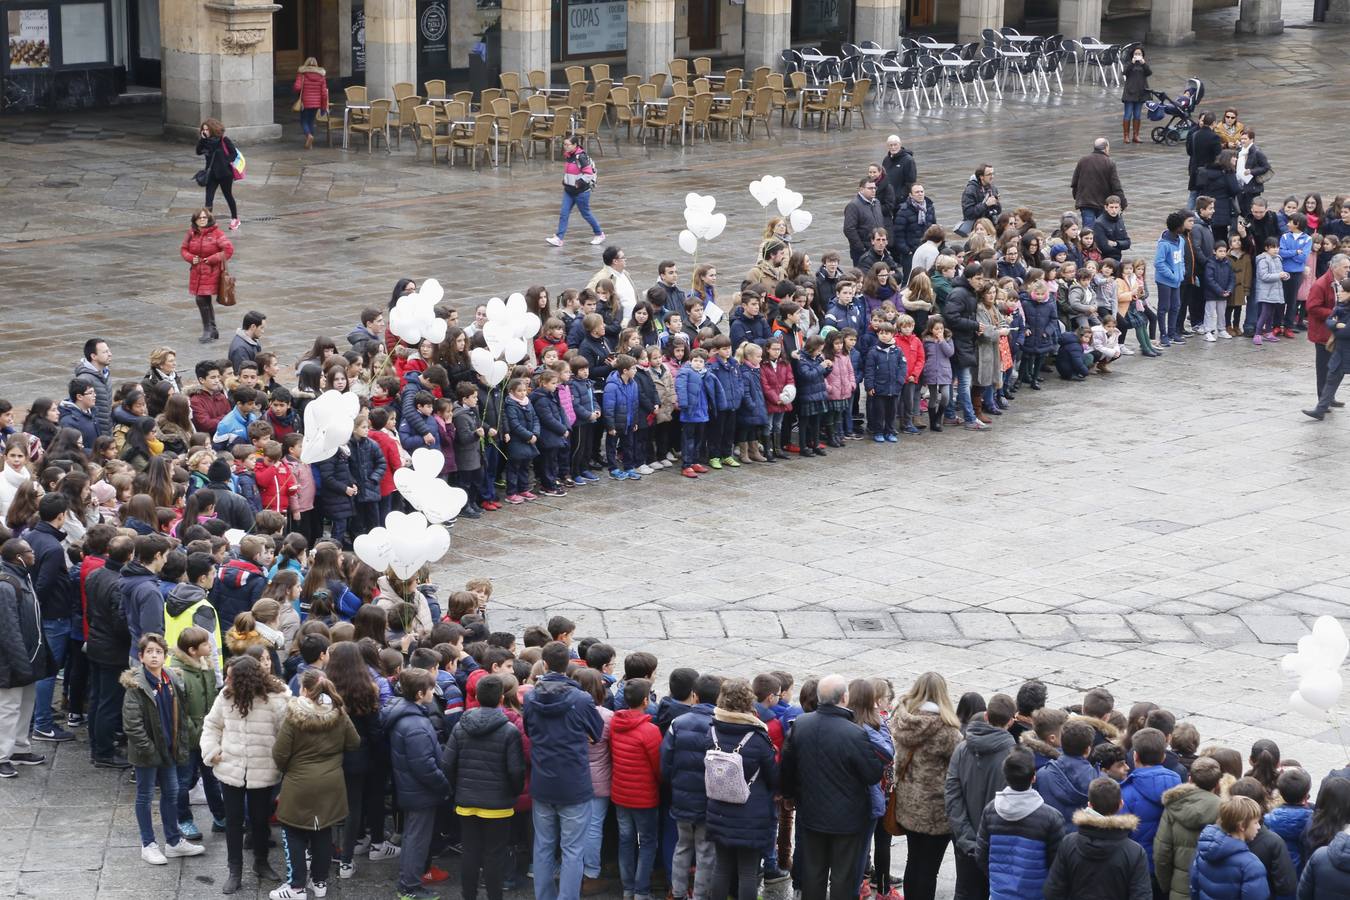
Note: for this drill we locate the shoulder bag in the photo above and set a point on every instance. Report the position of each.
(225, 290)
(888, 819)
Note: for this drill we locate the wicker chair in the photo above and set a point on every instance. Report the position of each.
(760, 111)
(574, 73)
(654, 118)
(472, 142)
(700, 115)
(435, 88)
(857, 96)
(827, 106)
(552, 131)
(378, 123)
(733, 114)
(427, 134)
(517, 132)
(621, 108)
(593, 116)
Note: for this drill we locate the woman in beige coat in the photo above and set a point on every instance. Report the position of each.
(926, 731)
(237, 739)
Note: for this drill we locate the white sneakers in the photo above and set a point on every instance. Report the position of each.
(1126, 351)
(346, 870)
(598, 239)
(384, 851)
(1225, 336)
(150, 853)
(286, 892)
(555, 240)
(319, 889)
(184, 848)
(1209, 337)
(645, 469)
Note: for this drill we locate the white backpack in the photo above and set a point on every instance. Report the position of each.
(724, 772)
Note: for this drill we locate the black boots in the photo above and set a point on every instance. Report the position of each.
(934, 416)
(208, 313)
(232, 880)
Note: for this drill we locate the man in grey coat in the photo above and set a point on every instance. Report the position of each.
(862, 214)
(94, 369)
(974, 776)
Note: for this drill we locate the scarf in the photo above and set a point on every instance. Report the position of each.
(164, 702)
(738, 718)
(923, 211)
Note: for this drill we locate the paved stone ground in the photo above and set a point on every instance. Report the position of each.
(1166, 531)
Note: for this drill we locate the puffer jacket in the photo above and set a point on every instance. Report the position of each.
(682, 750)
(1142, 793)
(147, 744)
(635, 753)
(773, 377)
(24, 656)
(1169, 260)
(620, 403)
(242, 745)
(368, 467)
(1186, 811)
(199, 690)
(937, 361)
(958, 311)
(923, 750)
(750, 824)
(692, 394)
(729, 388)
(602, 763)
(311, 83)
(1099, 861)
(1289, 822)
(811, 380)
(578, 172)
(884, 370)
(1327, 875)
(1042, 321)
(484, 760)
(747, 328)
(974, 776)
(1063, 783)
(213, 248)
(1225, 869)
(309, 750)
(752, 412)
(840, 380)
(1017, 841)
(561, 720)
(101, 379)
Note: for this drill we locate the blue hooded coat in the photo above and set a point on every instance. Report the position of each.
(1142, 792)
(561, 721)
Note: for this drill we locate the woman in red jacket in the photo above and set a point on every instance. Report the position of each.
(312, 85)
(205, 250)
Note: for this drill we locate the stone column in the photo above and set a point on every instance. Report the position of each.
(878, 20)
(1259, 17)
(1079, 17)
(391, 46)
(1169, 23)
(526, 31)
(768, 32)
(217, 63)
(976, 16)
(651, 36)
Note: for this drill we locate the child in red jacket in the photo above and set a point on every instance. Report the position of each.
(551, 335)
(276, 483)
(381, 432)
(911, 346)
(635, 752)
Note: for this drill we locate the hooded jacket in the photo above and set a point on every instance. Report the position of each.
(51, 571)
(1017, 841)
(414, 755)
(239, 584)
(560, 720)
(828, 766)
(199, 690)
(147, 743)
(308, 751)
(239, 748)
(884, 370)
(692, 394)
(748, 824)
(552, 426)
(974, 775)
(1281, 879)
(109, 640)
(972, 200)
(1187, 809)
(1289, 823)
(1142, 792)
(83, 422)
(1225, 869)
(1327, 875)
(187, 606)
(142, 603)
(901, 171)
(1063, 783)
(484, 760)
(1099, 861)
(958, 311)
(635, 756)
(682, 751)
(754, 329)
(24, 656)
(923, 750)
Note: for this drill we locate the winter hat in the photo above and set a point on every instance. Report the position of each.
(219, 472)
(1058, 248)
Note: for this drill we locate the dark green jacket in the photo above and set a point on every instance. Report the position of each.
(146, 744)
(199, 690)
(309, 752)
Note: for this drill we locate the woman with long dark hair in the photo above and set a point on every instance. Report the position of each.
(365, 775)
(219, 152)
(326, 579)
(237, 739)
(42, 421)
(175, 424)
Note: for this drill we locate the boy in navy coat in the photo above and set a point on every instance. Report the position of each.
(621, 420)
(691, 393)
(520, 426)
(883, 376)
(552, 433)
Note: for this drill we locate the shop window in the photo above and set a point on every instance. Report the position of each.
(84, 34)
(30, 39)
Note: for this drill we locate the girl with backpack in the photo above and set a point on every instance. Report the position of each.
(740, 830)
(578, 180)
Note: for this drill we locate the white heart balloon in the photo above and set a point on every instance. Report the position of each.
(1321, 689)
(481, 360)
(788, 201)
(528, 326)
(1329, 635)
(514, 350)
(497, 374)
(427, 461)
(800, 220)
(496, 309)
(688, 243)
(374, 548)
(431, 290)
(763, 192)
(328, 424)
(515, 305)
(717, 223)
(435, 331)
(697, 221)
(1304, 708)
(497, 332)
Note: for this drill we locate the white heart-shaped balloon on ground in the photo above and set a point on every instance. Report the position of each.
(374, 548)
(688, 243)
(788, 201)
(514, 350)
(800, 220)
(717, 223)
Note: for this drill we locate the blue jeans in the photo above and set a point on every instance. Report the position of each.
(554, 827)
(582, 202)
(167, 778)
(57, 634)
(1088, 215)
(1169, 310)
(1133, 109)
(963, 377)
(187, 777)
(595, 834)
(637, 849)
(307, 117)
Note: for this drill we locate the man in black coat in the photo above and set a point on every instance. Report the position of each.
(828, 766)
(862, 214)
(23, 656)
(51, 582)
(913, 217)
(231, 508)
(980, 199)
(959, 313)
(107, 649)
(1252, 169)
(901, 170)
(1202, 146)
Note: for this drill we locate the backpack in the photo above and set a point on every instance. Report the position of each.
(724, 772)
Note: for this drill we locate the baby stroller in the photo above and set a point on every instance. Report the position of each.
(1180, 126)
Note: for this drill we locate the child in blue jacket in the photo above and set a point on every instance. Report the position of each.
(752, 416)
(520, 429)
(1220, 282)
(620, 418)
(552, 457)
(1071, 361)
(722, 419)
(691, 393)
(1169, 269)
(883, 375)
(1295, 245)
(1291, 820)
(582, 438)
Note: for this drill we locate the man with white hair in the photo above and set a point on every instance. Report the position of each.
(899, 166)
(828, 766)
(1094, 179)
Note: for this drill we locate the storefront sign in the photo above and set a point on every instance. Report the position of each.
(30, 39)
(820, 16)
(433, 36)
(358, 39)
(597, 27)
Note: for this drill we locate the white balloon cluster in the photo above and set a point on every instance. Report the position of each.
(414, 319)
(702, 224)
(421, 485)
(404, 543)
(771, 189)
(328, 424)
(1317, 665)
(509, 326)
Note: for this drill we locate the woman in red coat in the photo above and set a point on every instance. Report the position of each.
(312, 85)
(205, 250)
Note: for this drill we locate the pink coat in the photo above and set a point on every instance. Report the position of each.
(302, 501)
(312, 86)
(840, 382)
(602, 763)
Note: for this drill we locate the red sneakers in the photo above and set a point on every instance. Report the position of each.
(700, 468)
(689, 472)
(435, 875)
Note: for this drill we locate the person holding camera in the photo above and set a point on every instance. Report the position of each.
(1133, 94)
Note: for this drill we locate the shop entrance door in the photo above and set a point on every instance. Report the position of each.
(704, 31)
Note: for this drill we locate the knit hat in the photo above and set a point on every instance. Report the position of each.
(1056, 249)
(219, 472)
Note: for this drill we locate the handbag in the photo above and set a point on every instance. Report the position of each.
(1266, 175)
(200, 178)
(225, 290)
(297, 105)
(965, 227)
(888, 820)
